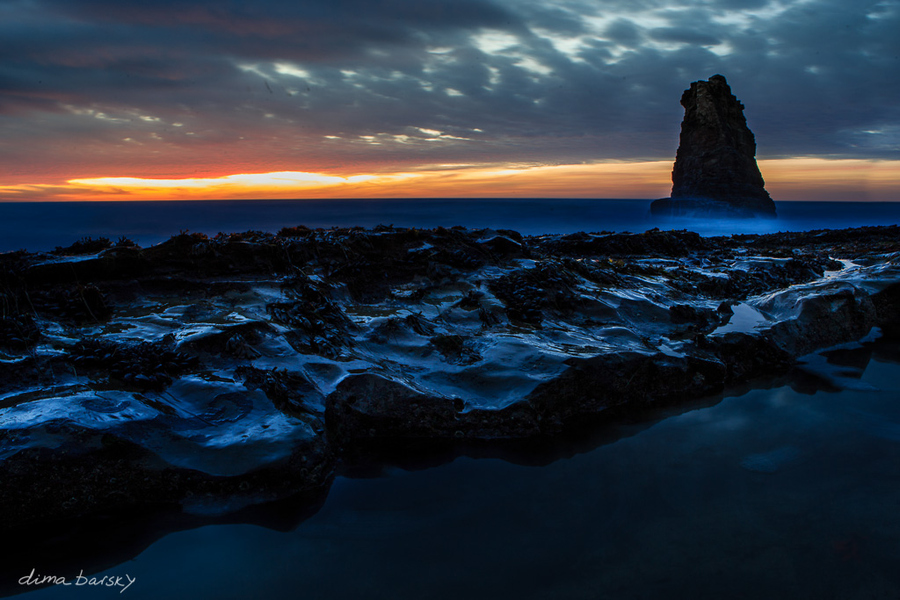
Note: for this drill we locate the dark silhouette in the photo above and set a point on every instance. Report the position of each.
(715, 167)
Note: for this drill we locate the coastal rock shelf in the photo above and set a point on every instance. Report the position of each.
(215, 374)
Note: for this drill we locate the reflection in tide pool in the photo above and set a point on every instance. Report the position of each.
(744, 319)
(776, 493)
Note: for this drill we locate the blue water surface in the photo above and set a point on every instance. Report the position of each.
(787, 492)
(45, 225)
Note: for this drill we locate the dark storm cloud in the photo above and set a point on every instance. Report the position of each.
(624, 32)
(441, 80)
(232, 15)
(683, 35)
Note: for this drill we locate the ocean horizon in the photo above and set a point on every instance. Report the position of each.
(42, 226)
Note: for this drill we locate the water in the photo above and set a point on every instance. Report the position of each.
(788, 492)
(45, 225)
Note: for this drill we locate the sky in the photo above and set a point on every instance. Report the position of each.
(168, 99)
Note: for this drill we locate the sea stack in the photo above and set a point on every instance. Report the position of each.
(715, 170)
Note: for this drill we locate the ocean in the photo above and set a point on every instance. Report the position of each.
(38, 226)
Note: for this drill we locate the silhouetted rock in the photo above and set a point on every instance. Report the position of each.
(715, 167)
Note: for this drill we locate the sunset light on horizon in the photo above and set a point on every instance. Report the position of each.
(787, 179)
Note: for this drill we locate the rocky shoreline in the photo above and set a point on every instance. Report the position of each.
(208, 375)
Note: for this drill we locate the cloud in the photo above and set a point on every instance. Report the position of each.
(684, 35)
(623, 31)
(117, 88)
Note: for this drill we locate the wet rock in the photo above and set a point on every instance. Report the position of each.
(86, 245)
(97, 472)
(846, 243)
(456, 349)
(394, 329)
(626, 381)
(369, 409)
(231, 342)
(650, 243)
(471, 301)
(503, 246)
(18, 333)
(370, 263)
(715, 166)
(747, 356)
(290, 392)
(697, 319)
(238, 346)
(299, 231)
(887, 309)
(117, 262)
(196, 255)
(77, 303)
(528, 292)
(200, 372)
(144, 366)
(319, 326)
(738, 283)
(829, 315)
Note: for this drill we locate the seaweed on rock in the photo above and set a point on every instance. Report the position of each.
(528, 292)
(145, 365)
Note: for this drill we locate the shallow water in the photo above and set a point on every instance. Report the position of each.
(45, 225)
(788, 492)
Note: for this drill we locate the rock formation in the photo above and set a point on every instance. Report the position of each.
(214, 374)
(715, 167)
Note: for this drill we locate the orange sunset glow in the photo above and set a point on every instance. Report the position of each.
(787, 179)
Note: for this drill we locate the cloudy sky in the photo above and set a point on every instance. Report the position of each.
(319, 98)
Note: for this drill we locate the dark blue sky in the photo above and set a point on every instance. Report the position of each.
(179, 88)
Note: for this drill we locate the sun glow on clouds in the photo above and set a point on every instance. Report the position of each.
(786, 179)
(240, 185)
(290, 179)
(592, 180)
